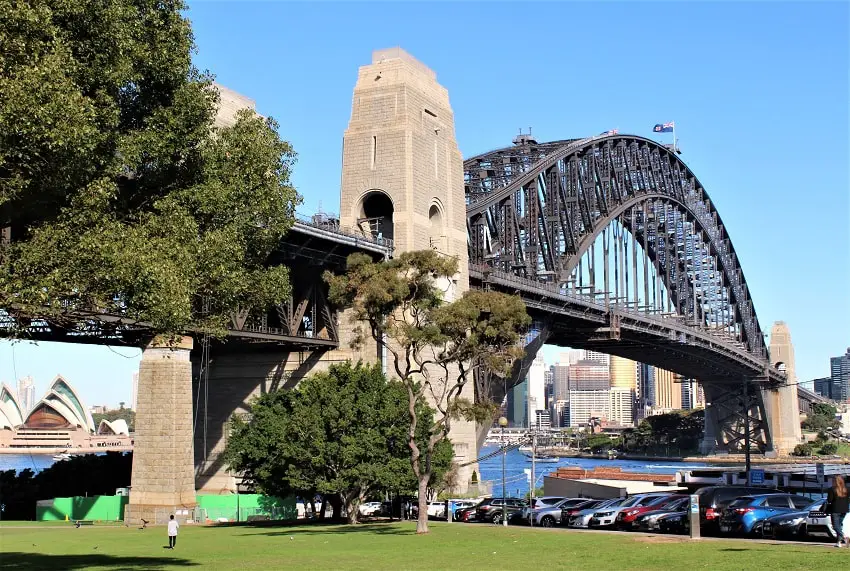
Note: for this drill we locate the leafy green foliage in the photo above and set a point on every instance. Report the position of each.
(341, 432)
(128, 415)
(822, 418)
(658, 434)
(804, 450)
(829, 448)
(436, 348)
(121, 195)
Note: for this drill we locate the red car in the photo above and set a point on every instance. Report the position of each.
(626, 518)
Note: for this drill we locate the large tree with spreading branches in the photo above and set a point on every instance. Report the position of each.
(437, 348)
(118, 194)
(340, 434)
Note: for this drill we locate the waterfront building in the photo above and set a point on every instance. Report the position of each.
(621, 406)
(58, 422)
(585, 405)
(26, 394)
(542, 420)
(560, 414)
(839, 368)
(646, 390)
(11, 414)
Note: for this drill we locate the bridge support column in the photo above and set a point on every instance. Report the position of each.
(162, 477)
(783, 418)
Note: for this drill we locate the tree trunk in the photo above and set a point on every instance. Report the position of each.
(422, 521)
(313, 506)
(352, 505)
(324, 506)
(336, 504)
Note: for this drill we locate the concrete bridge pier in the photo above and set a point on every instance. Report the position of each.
(162, 478)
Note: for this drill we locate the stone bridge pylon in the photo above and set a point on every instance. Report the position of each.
(402, 177)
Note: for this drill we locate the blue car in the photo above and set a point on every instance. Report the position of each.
(745, 515)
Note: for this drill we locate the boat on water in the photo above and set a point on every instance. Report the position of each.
(545, 459)
(61, 456)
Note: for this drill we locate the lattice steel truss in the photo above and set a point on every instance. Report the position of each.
(535, 210)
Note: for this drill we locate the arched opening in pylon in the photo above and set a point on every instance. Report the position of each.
(376, 215)
(436, 229)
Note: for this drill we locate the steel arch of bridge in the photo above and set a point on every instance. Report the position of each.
(533, 211)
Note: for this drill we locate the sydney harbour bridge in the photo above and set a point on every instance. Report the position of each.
(611, 241)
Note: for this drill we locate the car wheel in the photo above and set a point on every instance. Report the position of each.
(497, 518)
(547, 521)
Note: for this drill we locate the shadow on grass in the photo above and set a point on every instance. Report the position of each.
(338, 528)
(31, 561)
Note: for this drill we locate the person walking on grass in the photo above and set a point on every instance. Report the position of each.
(173, 526)
(837, 507)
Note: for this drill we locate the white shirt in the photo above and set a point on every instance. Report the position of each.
(173, 526)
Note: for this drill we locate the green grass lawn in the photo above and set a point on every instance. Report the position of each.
(392, 546)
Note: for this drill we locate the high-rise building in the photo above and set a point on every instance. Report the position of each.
(839, 369)
(589, 355)
(585, 405)
(570, 357)
(646, 388)
(26, 394)
(621, 402)
(560, 413)
(589, 375)
(134, 391)
(823, 387)
(668, 394)
(561, 382)
(548, 386)
(536, 387)
(623, 373)
(517, 407)
(542, 420)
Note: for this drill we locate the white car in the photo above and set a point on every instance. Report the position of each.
(437, 509)
(819, 523)
(370, 508)
(582, 518)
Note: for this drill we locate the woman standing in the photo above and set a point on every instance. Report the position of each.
(837, 502)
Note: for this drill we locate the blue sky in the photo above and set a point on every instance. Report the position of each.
(759, 93)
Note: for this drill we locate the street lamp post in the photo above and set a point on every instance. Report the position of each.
(503, 422)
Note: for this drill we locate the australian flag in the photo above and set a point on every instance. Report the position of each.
(611, 132)
(665, 128)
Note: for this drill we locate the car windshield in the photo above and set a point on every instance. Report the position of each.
(657, 501)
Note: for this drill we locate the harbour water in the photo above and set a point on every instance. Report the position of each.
(516, 481)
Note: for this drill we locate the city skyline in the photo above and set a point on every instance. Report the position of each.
(780, 61)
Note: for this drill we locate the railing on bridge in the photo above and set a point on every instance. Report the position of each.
(331, 223)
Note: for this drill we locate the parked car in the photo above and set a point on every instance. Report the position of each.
(541, 502)
(712, 501)
(607, 517)
(791, 525)
(370, 508)
(819, 523)
(648, 521)
(745, 514)
(583, 517)
(626, 518)
(550, 516)
(492, 509)
(675, 522)
(467, 514)
(458, 505)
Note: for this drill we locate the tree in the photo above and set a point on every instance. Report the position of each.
(119, 194)
(822, 418)
(436, 348)
(340, 432)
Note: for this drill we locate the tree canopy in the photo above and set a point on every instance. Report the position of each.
(118, 192)
(436, 347)
(341, 432)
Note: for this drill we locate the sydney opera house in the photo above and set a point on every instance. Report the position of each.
(59, 422)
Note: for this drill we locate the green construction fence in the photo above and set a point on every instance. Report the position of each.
(96, 508)
(233, 507)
